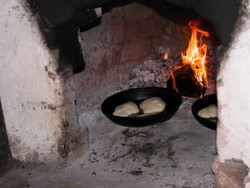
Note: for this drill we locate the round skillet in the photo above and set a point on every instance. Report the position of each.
(203, 103)
(171, 98)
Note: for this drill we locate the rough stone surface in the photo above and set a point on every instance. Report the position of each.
(173, 154)
(127, 35)
(5, 154)
(231, 173)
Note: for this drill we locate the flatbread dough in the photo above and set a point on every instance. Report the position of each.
(126, 109)
(152, 105)
(208, 112)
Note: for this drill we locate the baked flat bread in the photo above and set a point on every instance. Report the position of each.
(208, 112)
(126, 109)
(152, 105)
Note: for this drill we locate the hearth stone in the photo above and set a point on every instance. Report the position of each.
(175, 153)
(230, 173)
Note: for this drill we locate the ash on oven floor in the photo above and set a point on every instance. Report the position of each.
(173, 154)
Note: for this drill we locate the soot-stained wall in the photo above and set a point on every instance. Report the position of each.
(126, 35)
(222, 14)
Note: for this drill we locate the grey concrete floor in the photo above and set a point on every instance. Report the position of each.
(177, 153)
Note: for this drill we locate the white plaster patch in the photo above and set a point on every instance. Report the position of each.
(28, 93)
(233, 98)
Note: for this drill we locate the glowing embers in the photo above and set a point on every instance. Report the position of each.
(190, 78)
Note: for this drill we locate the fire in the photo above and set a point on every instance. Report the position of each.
(195, 56)
(165, 56)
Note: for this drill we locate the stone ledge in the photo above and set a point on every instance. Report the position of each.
(230, 173)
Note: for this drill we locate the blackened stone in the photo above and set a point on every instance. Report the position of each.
(5, 153)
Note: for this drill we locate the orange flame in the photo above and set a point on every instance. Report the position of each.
(165, 56)
(195, 55)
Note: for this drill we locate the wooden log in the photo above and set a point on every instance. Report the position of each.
(186, 83)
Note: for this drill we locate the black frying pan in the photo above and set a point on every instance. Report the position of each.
(172, 99)
(203, 103)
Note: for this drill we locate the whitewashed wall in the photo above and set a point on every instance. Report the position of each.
(233, 82)
(30, 90)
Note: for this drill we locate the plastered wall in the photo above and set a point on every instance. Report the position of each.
(30, 89)
(233, 132)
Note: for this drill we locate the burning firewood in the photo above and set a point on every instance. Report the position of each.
(190, 78)
(185, 82)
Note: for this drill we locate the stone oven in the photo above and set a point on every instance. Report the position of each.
(56, 71)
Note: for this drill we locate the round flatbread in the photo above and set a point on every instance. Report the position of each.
(152, 105)
(208, 112)
(126, 109)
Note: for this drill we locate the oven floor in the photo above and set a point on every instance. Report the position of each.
(174, 154)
